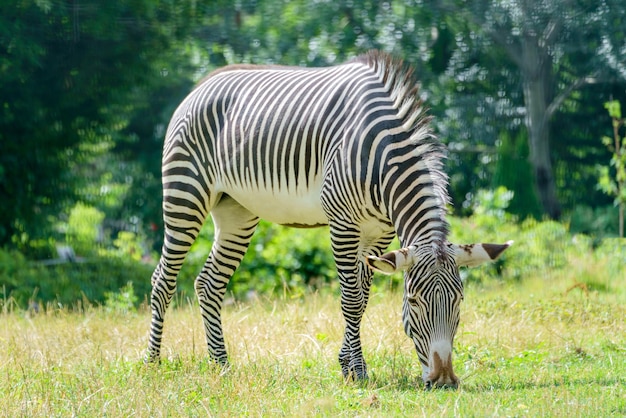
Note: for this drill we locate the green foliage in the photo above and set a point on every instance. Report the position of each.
(611, 255)
(539, 246)
(122, 301)
(128, 245)
(69, 283)
(544, 246)
(492, 204)
(86, 95)
(615, 111)
(598, 223)
(612, 179)
(87, 112)
(292, 262)
(287, 259)
(71, 79)
(83, 228)
(16, 273)
(278, 260)
(491, 83)
(513, 171)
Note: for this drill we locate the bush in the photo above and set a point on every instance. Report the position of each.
(83, 229)
(292, 261)
(123, 302)
(611, 254)
(65, 284)
(279, 259)
(598, 222)
(15, 273)
(539, 246)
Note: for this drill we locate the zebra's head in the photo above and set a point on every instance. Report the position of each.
(433, 292)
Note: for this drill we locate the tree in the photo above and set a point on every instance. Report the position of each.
(69, 77)
(556, 48)
(87, 89)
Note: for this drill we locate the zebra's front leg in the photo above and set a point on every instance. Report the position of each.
(345, 244)
(234, 227)
(353, 366)
(352, 362)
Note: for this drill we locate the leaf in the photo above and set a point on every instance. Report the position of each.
(605, 181)
(614, 109)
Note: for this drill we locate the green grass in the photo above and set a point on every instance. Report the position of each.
(522, 349)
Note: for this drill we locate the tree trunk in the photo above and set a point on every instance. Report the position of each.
(621, 220)
(537, 78)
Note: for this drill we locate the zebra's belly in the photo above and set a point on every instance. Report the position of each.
(302, 209)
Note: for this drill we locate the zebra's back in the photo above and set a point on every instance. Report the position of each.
(264, 135)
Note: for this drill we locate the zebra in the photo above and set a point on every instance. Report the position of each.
(348, 147)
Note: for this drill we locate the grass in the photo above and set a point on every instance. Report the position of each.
(522, 349)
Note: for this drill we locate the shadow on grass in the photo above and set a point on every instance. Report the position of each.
(400, 382)
(523, 385)
(382, 379)
(407, 382)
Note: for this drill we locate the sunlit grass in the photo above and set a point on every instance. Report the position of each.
(523, 349)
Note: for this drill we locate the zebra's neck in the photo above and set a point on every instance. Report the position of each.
(413, 186)
(425, 228)
(414, 190)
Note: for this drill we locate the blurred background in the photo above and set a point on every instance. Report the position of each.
(517, 89)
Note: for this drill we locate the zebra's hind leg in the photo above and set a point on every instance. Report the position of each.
(182, 226)
(234, 227)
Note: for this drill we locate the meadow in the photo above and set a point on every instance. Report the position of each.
(544, 346)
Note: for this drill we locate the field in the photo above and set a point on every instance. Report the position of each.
(535, 348)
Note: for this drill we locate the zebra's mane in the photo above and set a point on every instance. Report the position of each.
(404, 91)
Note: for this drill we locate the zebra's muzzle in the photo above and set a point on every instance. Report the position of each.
(441, 374)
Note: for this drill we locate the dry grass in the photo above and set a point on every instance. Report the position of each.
(526, 349)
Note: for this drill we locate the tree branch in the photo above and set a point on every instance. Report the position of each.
(552, 31)
(558, 100)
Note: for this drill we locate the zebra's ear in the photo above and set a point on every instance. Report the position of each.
(472, 255)
(392, 261)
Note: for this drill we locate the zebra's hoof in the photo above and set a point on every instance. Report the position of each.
(428, 385)
(355, 376)
(152, 361)
(151, 358)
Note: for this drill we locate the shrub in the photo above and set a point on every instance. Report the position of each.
(94, 278)
(539, 246)
(611, 254)
(83, 228)
(292, 261)
(15, 273)
(598, 222)
(123, 301)
(64, 284)
(279, 259)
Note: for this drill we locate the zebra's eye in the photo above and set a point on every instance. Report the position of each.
(412, 300)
